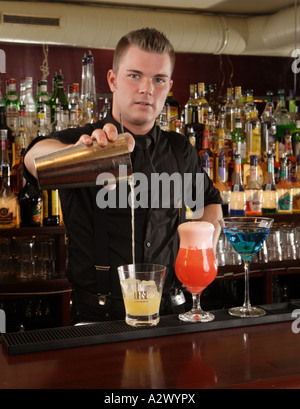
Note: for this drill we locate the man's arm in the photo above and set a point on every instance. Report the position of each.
(46, 146)
(212, 213)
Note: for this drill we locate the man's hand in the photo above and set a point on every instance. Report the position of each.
(102, 136)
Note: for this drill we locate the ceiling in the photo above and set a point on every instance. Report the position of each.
(226, 7)
(248, 27)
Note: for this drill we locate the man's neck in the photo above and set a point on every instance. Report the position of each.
(132, 128)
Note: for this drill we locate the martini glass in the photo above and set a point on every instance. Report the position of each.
(246, 235)
(196, 265)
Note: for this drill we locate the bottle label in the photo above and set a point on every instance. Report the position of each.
(6, 216)
(55, 203)
(254, 202)
(285, 201)
(172, 116)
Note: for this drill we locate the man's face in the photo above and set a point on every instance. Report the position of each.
(140, 88)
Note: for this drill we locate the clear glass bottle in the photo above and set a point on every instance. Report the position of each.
(202, 104)
(8, 200)
(284, 188)
(192, 105)
(58, 124)
(229, 114)
(46, 99)
(31, 117)
(22, 137)
(268, 128)
(73, 123)
(239, 107)
(253, 190)
(42, 129)
(270, 194)
(237, 205)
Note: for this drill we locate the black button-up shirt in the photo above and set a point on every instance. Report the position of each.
(156, 239)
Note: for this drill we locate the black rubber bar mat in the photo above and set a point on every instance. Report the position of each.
(116, 331)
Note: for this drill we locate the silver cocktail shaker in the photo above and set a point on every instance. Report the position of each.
(84, 166)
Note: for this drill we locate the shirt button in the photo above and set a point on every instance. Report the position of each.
(148, 244)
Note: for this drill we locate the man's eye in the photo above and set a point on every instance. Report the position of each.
(134, 76)
(160, 80)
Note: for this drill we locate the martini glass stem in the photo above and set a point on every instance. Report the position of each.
(246, 296)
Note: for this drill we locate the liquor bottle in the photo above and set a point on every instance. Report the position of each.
(191, 106)
(268, 128)
(291, 159)
(22, 137)
(3, 125)
(73, 123)
(42, 129)
(74, 98)
(296, 187)
(221, 185)
(284, 189)
(43, 95)
(12, 103)
(253, 190)
(207, 155)
(30, 201)
(220, 147)
(229, 114)
(213, 100)
(105, 109)
(249, 104)
(50, 207)
(31, 117)
(91, 83)
(57, 124)
(238, 140)
(202, 104)
(191, 114)
(283, 120)
(213, 128)
(17, 179)
(8, 200)
(239, 107)
(60, 94)
(253, 135)
(270, 194)
(172, 111)
(2, 102)
(237, 206)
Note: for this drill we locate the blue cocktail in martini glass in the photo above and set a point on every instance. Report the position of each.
(246, 235)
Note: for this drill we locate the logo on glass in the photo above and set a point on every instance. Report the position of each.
(295, 64)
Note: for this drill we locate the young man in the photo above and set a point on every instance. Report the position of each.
(100, 239)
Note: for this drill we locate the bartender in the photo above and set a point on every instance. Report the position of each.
(100, 238)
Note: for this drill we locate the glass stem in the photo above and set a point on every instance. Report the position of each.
(196, 302)
(246, 296)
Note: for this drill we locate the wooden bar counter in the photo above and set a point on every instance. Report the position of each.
(258, 356)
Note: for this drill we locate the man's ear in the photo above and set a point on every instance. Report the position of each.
(111, 77)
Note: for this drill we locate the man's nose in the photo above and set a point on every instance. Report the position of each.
(147, 87)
